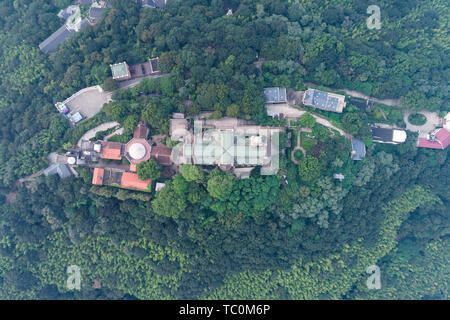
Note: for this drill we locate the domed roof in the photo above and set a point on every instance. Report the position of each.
(399, 136)
(137, 151)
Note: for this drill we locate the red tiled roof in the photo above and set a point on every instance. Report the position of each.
(443, 136)
(161, 154)
(133, 168)
(112, 150)
(141, 130)
(97, 284)
(424, 143)
(131, 180)
(98, 176)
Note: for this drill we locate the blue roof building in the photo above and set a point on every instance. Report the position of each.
(358, 149)
(58, 168)
(324, 100)
(153, 3)
(275, 95)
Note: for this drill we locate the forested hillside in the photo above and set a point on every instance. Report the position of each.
(210, 235)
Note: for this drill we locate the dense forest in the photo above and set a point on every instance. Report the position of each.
(209, 235)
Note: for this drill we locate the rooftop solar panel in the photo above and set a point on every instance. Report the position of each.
(282, 95)
(275, 94)
(321, 100)
(332, 103)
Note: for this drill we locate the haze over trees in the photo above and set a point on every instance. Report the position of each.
(298, 234)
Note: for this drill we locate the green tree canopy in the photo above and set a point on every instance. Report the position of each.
(191, 172)
(220, 184)
(307, 120)
(309, 168)
(168, 202)
(149, 170)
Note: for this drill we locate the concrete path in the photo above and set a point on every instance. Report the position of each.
(28, 178)
(433, 121)
(115, 133)
(91, 133)
(299, 146)
(292, 112)
(115, 166)
(328, 124)
(388, 102)
(134, 82)
(382, 113)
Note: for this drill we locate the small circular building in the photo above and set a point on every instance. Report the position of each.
(137, 150)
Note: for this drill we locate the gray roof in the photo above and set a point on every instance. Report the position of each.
(84, 23)
(59, 36)
(57, 168)
(275, 94)
(358, 149)
(85, 2)
(148, 3)
(95, 13)
(119, 70)
(160, 3)
(77, 117)
(66, 13)
(321, 100)
(153, 3)
(382, 134)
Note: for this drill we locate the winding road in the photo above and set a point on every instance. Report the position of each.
(292, 112)
(91, 133)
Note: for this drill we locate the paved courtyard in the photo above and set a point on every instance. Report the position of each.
(88, 101)
(284, 109)
(433, 121)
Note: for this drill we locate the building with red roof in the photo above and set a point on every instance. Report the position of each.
(141, 130)
(98, 176)
(161, 154)
(439, 139)
(131, 180)
(137, 150)
(112, 150)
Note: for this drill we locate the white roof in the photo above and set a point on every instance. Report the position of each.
(97, 147)
(137, 151)
(159, 186)
(399, 136)
(447, 121)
